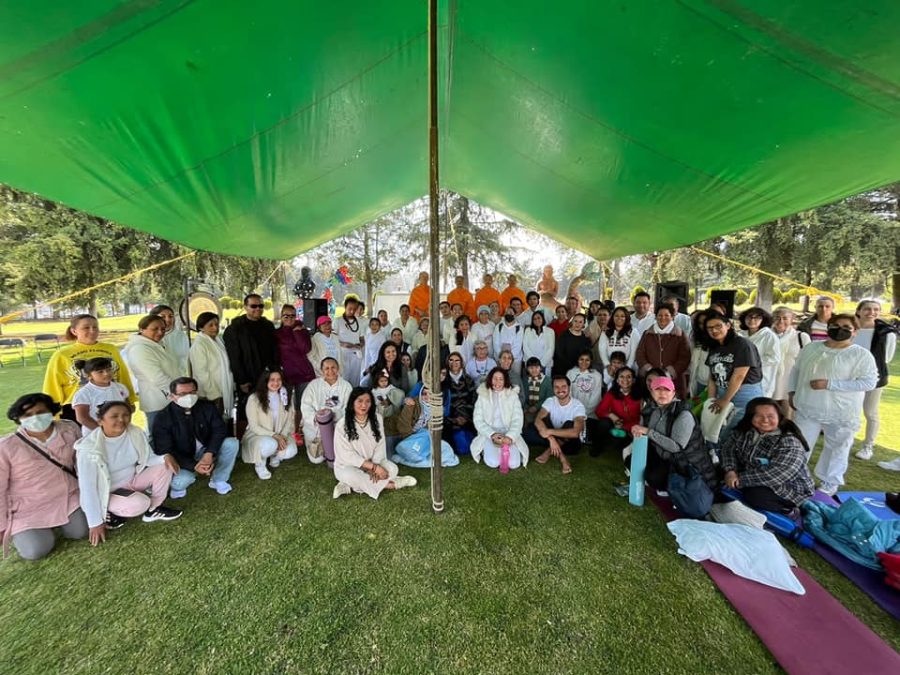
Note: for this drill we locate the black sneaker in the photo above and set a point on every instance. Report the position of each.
(114, 522)
(161, 513)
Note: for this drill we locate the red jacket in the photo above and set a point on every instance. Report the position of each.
(627, 408)
(559, 327)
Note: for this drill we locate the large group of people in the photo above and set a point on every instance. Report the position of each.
(523, 376)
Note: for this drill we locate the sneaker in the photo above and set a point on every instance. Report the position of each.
(404, 482)
(893, 465)
(340, 490)
(662, 493)
(262, 471)
(865, 452)
(221, 486)
(275, 461)
(829, 489)
(177, 494)
(114, 522)
(161, 513)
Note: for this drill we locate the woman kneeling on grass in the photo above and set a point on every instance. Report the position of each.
(360, 462)
(766, 458)
(116, 467)
(498, 419)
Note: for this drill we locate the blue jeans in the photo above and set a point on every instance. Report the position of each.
(224, 464)
(744, 395)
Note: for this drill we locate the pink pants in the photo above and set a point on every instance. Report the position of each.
(157, 478)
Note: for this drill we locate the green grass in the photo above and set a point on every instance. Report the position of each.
(531, 572)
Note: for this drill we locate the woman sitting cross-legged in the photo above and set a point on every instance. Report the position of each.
(498, 419)
(270, 425)
(675, 442)
(116, 467)
(765, 457)
(617, 413)
(322, 405)
(360, 462)
(37, 478)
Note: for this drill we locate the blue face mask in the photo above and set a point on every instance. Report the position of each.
(37, 423)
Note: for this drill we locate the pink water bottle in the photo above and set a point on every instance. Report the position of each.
(504, 459)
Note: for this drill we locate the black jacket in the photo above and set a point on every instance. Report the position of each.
(879, 345)
(252, 347)
(176, 432)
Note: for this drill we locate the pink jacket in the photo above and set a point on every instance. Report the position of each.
(33, 492)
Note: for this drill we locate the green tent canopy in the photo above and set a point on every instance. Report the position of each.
(264, 128)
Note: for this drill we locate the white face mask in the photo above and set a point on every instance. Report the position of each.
(37, 423)
(187, 401)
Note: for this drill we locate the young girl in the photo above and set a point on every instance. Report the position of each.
(406, 362)
(587, 385)
(374, 340)
(98, 389)
(536, 389)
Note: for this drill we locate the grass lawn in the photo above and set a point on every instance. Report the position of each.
(531, 572)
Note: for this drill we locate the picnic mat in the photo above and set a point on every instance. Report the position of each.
(812, 633)
(873, 501)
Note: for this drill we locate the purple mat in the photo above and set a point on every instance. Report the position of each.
(812, 633)
(868, 581)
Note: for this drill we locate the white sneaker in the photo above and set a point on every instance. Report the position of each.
(275, 461)
(221, 487)
(865, 452)
(401, 482)
(340, 490)
(262, 471)
(893, 465)
(829, 489)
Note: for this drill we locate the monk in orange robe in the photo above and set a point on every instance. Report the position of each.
(420, 298)
(511, 291)
(487, 293)
(462, 296)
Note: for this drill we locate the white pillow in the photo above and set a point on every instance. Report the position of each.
(748, 552)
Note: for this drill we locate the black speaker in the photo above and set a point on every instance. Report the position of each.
(313, 308)
(725, 298)
(677, 288)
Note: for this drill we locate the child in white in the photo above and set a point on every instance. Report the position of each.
(374, 340)
(98, 389)
(587, 385)
(827, 387)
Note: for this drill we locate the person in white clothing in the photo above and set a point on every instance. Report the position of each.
(756, 326)
(360, 461)
(826, 388)
(270, 424)
(420, 339)
(98, 389)
(508, 336)
(620, 336)
(152, 366)
(480, 364)
(374, 340)
(791, 342)
(483, 329)
(352, 340)
(880, 339)
(642, 318)
(209, 363)
(539, 341)
(498, 419)
(463, 339)
(176, 339)
(323, 404)
(326, 345)
(586, 385)
(698, 374)
(407, 324)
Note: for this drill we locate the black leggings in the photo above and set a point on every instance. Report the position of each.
(764, 499)
(570, 446)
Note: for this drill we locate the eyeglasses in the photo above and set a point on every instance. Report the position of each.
(288, 316)
(255, 306)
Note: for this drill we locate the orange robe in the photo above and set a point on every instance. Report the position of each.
(508, 294)
(485, 296)
(462, 296)
(419, 301)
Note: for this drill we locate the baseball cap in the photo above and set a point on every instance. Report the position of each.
(323, 319)
(663, 383)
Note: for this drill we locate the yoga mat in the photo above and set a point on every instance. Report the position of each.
(812, 633)
(873, 501)
(638, 464)
(868, 581)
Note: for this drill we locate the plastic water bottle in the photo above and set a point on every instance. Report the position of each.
(504, 459)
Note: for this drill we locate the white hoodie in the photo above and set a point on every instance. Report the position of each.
(850, 372)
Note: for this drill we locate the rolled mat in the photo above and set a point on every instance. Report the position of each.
(868, 581)
(812, 633)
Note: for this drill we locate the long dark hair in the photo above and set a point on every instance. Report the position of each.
(543, 322)
(729, 335)
(396, 370)
(350, 415)
(635, 394)
(786, 426)
(262, 388)
(611, 326)
(459, 319)
(698, 323)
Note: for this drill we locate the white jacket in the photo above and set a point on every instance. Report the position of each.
(315, 398)
(540, 346)
(769, 348)
(319, 351)
(261, 424)
(466, 348)
(850, 372)
(210, 367)
(511, 335)
(511, 414)
(154, 369)
(93, 471)
(482, 331)
(791, 342)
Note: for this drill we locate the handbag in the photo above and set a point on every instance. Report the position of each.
(43, 454)
(690, 494)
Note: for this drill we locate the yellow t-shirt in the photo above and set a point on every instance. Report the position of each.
(63, 379)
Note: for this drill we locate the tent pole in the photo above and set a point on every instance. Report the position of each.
(437, 490)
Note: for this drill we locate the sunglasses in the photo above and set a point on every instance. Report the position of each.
(288, 316)
(255, 306)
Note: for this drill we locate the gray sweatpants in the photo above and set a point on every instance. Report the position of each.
(36, 544)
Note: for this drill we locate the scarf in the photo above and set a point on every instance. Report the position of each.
(663, 331)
